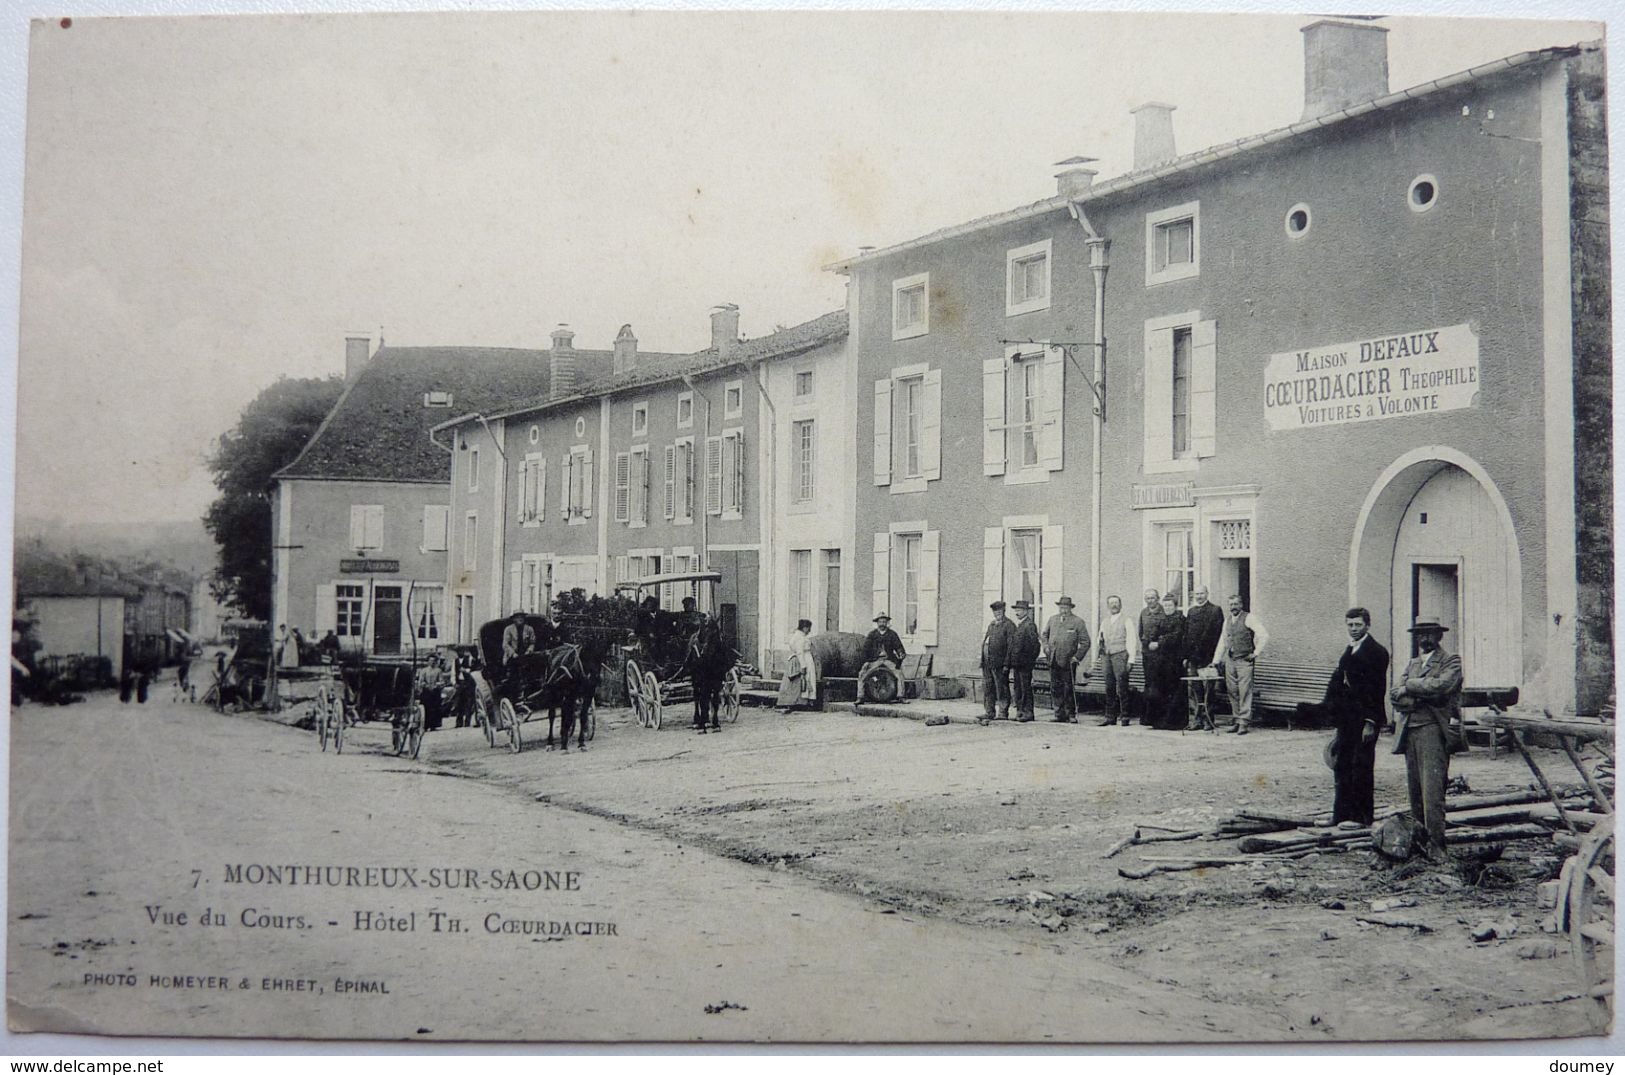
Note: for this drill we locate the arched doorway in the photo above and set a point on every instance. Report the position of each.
(1435, 539)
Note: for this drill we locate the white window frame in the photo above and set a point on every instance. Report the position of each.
(367, 527)
(1019, 257)
(803, 461)
(802, 597)
(1155, 222)
(427, 597)
(733, 479)
(922, 327)
(685, 410)
(904, 413)
(435, 537)
(733, 400)
(361, 603)
(640, 419)
(474, 468)
(1159, 401)
(888, 440)
(471, 540)
(1014, 573)
(637, 463)
(890, 581)
(533, 489)
(796, 383)
(578, 512)
(463, 617)
(686, 482)
(900, 579)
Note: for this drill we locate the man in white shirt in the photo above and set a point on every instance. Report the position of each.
(1119, 639)
(1240, 645)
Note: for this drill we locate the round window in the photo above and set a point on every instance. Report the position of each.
(1297, 221)
(581, 427)
(535, 434)
(1423, 195)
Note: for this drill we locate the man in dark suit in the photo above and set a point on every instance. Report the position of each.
(1204, 623)
(997, 643)
(1023, 656)
(1354, 701)
(1428, 701)
(1151, 624)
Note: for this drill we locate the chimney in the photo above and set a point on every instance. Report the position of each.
(1074, 180)
(1344, 64)
(725, 329)
(1153, 134)
(561, 363)
(355, 356)
(626, 349)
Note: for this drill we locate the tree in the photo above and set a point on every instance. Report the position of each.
(274, 427)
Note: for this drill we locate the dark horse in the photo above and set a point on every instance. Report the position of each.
(707, 661)
(561, 678)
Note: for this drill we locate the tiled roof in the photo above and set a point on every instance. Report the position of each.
(787, 342)
(38, 576)
(379, 428)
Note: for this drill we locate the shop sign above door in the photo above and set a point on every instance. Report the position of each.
(368, 567)
(1413, 373)
(1174, 495)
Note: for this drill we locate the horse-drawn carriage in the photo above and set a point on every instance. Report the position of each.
(378, 690)
(659, 668)
(555, 680)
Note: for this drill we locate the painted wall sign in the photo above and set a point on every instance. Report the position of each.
(1174, 495)
(1422, 372)
(368, 567)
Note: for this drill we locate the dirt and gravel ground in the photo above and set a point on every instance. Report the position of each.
(833, 874)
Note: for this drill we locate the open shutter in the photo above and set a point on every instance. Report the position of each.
(993, 415)
(1204, 387)
(930, 544)
(1159, 395)
(566, 477)
(589, 491)
(992, 564)
(358, 526)
(525, 506)
(931, 426)
(738, 490)
(327, 609)
(883, 404)
(1053, 409)
(623, 488)
(713, 475)
(1052, 577)
(516, 584)
(620, 568)
(882, 580)
(671, 481)
(435, 519)
(375, 526)
(539, 472)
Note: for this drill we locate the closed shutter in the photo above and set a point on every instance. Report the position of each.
(993, 415)
(516, 584)
(525, 509)
(882, 579)
(566, 478)
(435, 524)
(930, 556)
(589, 491)
(327, 610)
(671, 481)
(1052, 578)
(1053, 409)
(931, 426)
(883, 404)
(1159, 395)
(713, 475)
(375, 526)
(1204, 388)
(992, 564)
(358, 526)
(539, 469)
(620, 568)
(623, 490)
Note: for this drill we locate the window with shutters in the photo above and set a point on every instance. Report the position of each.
(366, 527)
(908, 428)
(733, 473)
(1179, 562)
(911, 306)
(1027, 275)
(1024, 566)
(677, 481)
(906, 561)
(532, 489)
(428, 610)
(638, 486)
(907, 586)
(1173, 243)
(577, 484)
(471, 537)
(1023, 411)
(1022, 560)
(350, 599)
(1181, 374)
(535, 582)
(803, 461)
(910, 405)
(436, 520)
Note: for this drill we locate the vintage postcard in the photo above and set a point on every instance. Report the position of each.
(814, 527)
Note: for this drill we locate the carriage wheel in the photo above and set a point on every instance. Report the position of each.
(414, 731)
(1589, 919)
(730, 696)
(508, 719)
(321, 723)
(652, 700)
(342, 718)
(634, 692)
(482, 713)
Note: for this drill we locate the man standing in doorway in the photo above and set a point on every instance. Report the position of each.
(1119, 651)
(1022, 659)
(1428, 701)
(1150, 630)
(1204, 626)
(1354, 701)
(1240, 647)
(997, 645)
(1066, 643)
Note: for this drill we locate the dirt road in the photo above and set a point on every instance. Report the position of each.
(319, 891)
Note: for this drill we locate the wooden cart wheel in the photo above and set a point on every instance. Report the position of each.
(508, 720)
(482, 714)
(321, 722)
(1588, 914)
(652, 700)
(634, 692)
(730, 696)
(414, 731)
(343, 718)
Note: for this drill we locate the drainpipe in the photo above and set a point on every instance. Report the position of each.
(1099, 262)
(766, 594)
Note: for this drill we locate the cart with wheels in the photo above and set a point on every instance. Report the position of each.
(654, 658)
(557, 680)
(383, 690)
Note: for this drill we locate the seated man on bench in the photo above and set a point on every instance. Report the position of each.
(882, 649)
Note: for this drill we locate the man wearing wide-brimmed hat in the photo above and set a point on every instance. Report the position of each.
(1427, 700)
(1066, 643)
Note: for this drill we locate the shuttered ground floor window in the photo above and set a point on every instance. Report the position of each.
(906, 570)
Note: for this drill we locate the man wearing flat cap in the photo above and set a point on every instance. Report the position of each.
(1427, 704)
(1022, 659)
(1066, 644)
(997, 645)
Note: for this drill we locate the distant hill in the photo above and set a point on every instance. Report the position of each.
(182, 545)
